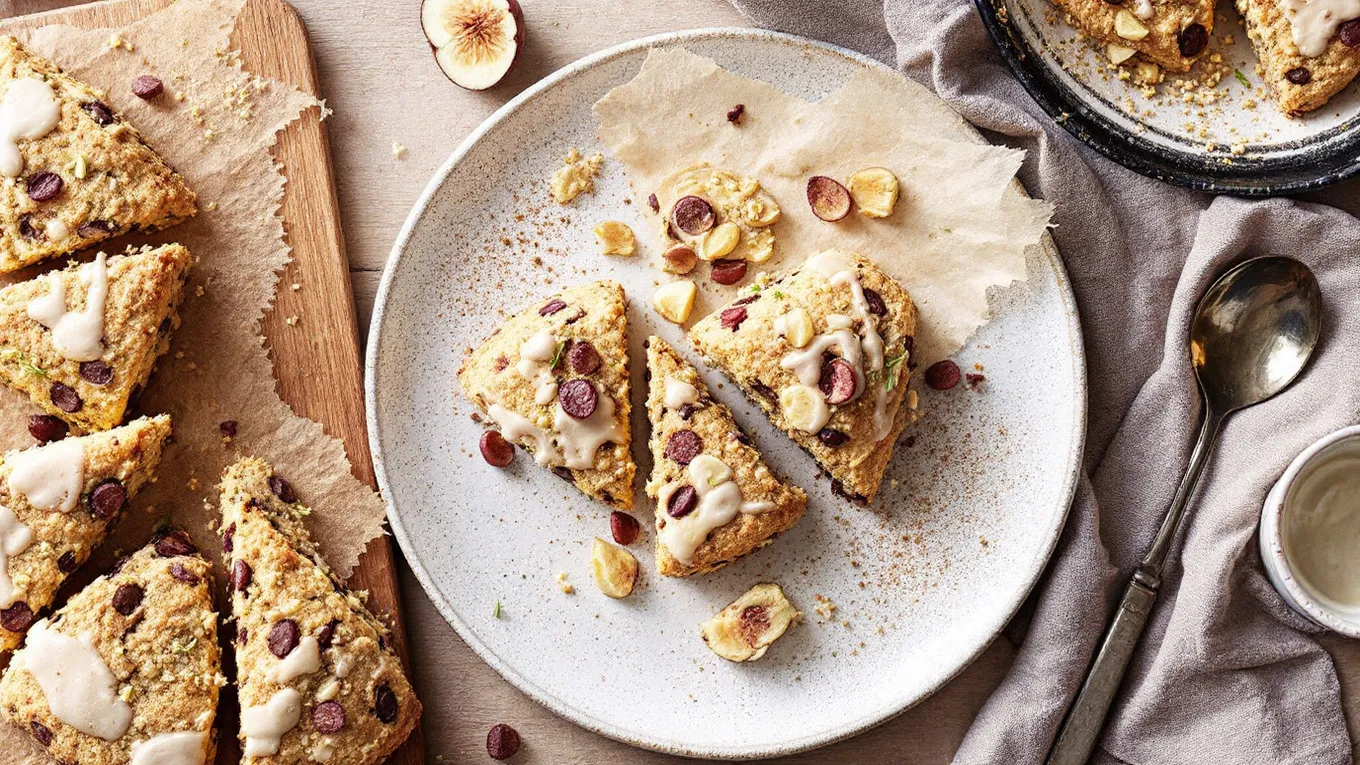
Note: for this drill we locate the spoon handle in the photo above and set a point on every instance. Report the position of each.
(1085, 719)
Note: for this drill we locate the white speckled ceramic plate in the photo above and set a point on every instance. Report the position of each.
(921, 583)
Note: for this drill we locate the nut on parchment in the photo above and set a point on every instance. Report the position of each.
(614, 568)
(744, 630)
(674, 301)
(615, 238)
(875, 191)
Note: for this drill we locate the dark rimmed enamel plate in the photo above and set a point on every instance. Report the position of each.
(1236, 142)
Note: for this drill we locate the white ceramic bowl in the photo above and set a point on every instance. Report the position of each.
(1279, 568)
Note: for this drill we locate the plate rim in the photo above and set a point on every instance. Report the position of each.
(549, 701)
(1068, 109)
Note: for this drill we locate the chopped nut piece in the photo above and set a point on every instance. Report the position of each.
(577, 175)
(563, 585)
(744, 630)
(1119, 53)
(674, 301)
(614, 568)
(1127, 26)
(875, 191)
(797, 327)
(719, 242)
(615, 238)
(804, 408)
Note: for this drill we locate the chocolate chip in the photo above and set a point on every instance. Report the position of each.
(733, 317)
(564, 473)
(943, 375)
(97, 109)
(326, 636)
(908, 346)
(749, 299)
(502, 742)
(41, 733)
(832, 437)
(228, 538)
(682, 502)
(283, 637)
(65, 398)
(147, 87)
(240, 576)
(282, 489)
(624, 527)
(686, 411)
(552, 307)
(175, 542)
(653, 203)
(328, 717)
(47, 427)
(43, 186)
(1299, 75)
(127, 597)
(227, 428)
(583, 358)
(740, 437)
(385, 703)
(96, 372)
(837, 381)
(693, 215)
(178, 571)
(107, 499)
(17, 617)
(578, 398)
(67, 562)
(496, 450)
(242, 635)
(765, 392)
(728, 271)
(876, 305)
(26, 227)
(96, 228)
(839, 490)
(1192, 40)
(118, 564)
(1350, 33)
(683, 446)
(735, 114)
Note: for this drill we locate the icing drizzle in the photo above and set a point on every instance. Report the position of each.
(30, 110)
(720, 501)
(78, 335)
(80, 689)
(15, 537)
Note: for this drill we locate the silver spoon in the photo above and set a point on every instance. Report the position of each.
(1252, 334)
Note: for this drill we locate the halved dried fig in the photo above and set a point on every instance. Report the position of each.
(693, 215)
(830, 200)
(476, 42)
(744, 630)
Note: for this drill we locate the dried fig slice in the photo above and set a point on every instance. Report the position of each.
(693, 215)
(838, 381)
(829, 200)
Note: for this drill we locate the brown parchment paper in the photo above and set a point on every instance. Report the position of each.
(960, 226)
(218, 136)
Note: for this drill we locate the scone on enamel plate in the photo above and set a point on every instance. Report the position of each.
(316, 677)
(76, 172)
(129, 669)
(1170, 33)
(716, 500)
(58, 503)
(826, 352)
(554, 379)
(81, 342)
(1309, 51)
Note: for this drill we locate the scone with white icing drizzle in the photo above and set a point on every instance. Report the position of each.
(716, 499)
(57, 504)
(1309, 49)
(74, 173)
(318, 681)
(129, 669)
(825, 351)
(1170, 33)
(554, 379)
(82, 341)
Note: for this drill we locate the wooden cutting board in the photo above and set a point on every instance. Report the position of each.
(273, 43)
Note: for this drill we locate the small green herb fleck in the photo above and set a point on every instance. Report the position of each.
(892, 369)
(754, 288)
(496, 612)
(778, 295)
(1242, 78)
(947, 229)
(179, 647)
(25, 363)
(561, 346)
(714, 480)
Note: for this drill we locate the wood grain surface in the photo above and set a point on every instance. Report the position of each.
(319, 373)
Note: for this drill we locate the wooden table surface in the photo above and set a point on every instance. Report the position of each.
(377, 74)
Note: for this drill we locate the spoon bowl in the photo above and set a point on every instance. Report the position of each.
(1254, 331)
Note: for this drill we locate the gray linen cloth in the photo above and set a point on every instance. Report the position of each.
(1225, 673)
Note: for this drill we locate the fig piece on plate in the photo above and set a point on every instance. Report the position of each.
(829, 200)
(476, 42)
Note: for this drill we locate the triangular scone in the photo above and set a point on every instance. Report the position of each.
(716, 500)
(825, 351)
(317, 679)
(554, 379)
(85, 368)
(77, 174)
(1173, 32)
(129, 668)
(1301, 83)
(57, 503)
